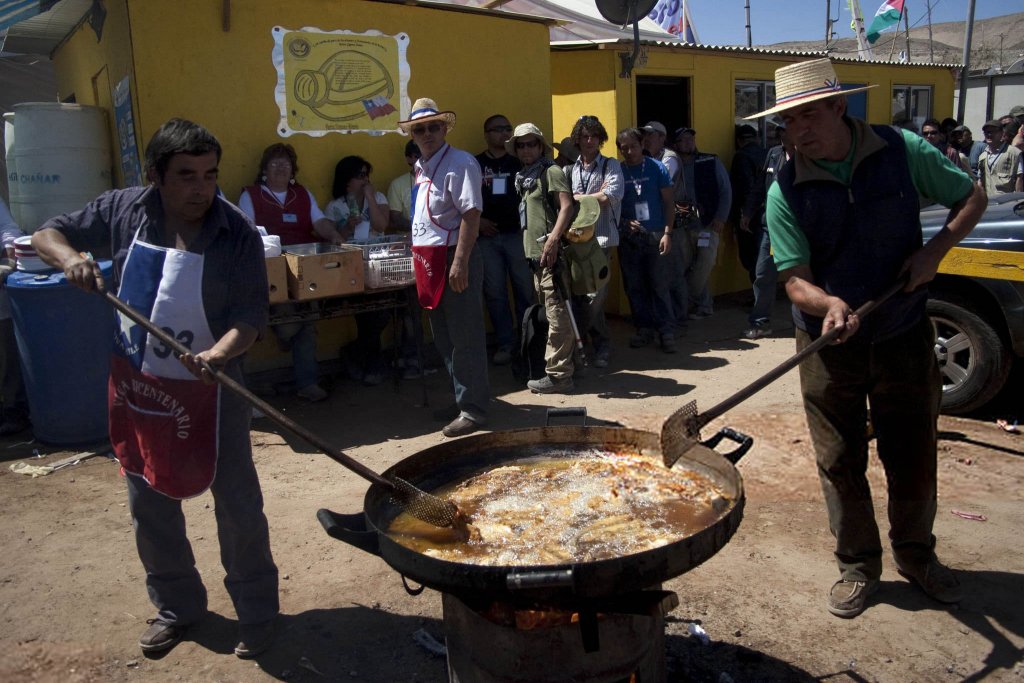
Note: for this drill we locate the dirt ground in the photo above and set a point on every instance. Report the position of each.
(73, 603)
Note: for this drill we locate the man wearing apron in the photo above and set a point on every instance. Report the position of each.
(449, 269)
(193, 264)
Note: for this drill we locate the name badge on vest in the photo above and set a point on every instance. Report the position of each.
(704, 238)
(290, 217)
(642, 212)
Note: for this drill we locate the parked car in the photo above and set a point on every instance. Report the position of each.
(979, 321)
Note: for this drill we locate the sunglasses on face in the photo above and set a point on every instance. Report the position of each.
(499, 129)
(528, 144)
(429, 128)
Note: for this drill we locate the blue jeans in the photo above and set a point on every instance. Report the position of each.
(505, 261)
(765, 277)
(173, 582)
(301, 339)
(646, 275)
(458, 328)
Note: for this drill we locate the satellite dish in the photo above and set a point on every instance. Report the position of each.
(624, 12)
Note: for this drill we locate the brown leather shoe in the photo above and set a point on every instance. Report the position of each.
(847, 599)
(936, 580)
(254, 639)
(160, 636)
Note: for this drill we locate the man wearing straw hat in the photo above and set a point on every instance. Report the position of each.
(449, 269)
(844, 226)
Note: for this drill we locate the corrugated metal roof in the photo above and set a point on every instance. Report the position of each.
(44, 32)
(598, 44)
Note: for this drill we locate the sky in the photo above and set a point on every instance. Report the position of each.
(723, 22)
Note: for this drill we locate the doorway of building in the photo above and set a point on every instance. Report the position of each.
(663, 99)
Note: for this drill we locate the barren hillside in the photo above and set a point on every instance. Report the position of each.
(992, 37)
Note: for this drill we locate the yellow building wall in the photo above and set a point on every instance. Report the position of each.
(586, 82)
(187, 65)
(87, 70)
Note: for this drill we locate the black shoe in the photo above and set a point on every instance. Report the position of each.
(460, 426)
(160, 636)
(254, 639)
(14, 425)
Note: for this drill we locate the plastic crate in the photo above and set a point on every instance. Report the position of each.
(389, 246)
(389, 272)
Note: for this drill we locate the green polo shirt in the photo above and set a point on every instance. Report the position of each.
(932, 173)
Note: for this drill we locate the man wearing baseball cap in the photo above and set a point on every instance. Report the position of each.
(844, 223)
(999, 165)
(654, 144)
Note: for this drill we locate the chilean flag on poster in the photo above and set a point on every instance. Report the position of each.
(674, 17)
(888, 14)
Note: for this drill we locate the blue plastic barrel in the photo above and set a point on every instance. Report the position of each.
(65, 337)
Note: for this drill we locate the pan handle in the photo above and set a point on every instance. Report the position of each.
(349, 528)
(558, 578)
(733, 456)
(579, 411)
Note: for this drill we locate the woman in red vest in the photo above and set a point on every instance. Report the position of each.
(287, 209)
(283, 206)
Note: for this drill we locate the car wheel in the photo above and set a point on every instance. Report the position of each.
(973, 359)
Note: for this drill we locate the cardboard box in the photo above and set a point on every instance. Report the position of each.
(277, 278)
(320, 270)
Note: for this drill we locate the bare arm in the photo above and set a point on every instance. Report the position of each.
(327, 231)
(378, 212)
(469, 228)
(235, 342)
(668, 207)
(813, 300)
(962, 218)
(52, 246)
(549, 255)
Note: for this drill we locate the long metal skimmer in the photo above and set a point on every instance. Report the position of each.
(681, 430)
(418, 503)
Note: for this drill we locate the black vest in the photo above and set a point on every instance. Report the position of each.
(705, 190)
(860, 235)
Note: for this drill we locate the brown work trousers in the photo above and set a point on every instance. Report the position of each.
(898, 379)
(558, 356)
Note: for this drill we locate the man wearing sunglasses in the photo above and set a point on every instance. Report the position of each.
(931, 130)
(449, 269)
(501, 243)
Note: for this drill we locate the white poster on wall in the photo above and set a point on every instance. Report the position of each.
(340, 81)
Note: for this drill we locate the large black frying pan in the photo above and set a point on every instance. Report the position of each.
(456, 460)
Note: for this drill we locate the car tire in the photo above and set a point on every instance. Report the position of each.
(974, 361)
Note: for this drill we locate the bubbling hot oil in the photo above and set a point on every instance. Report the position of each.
(554, 510)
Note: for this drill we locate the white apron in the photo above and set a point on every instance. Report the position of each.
(163, 419)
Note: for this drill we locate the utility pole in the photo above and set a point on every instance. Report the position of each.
(931, 49)
(749, 37)
(961, 105)
(906, 25)
(863, 47)
(828, 22)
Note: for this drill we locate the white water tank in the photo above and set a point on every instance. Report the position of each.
(62, 158)
(12, 166)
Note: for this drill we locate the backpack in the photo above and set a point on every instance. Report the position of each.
(528, 363)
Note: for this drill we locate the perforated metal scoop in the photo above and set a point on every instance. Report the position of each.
(681, 430)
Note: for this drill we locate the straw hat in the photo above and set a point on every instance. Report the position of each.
(425, 110)
(521, 131)
(805, 82)
(582, 228)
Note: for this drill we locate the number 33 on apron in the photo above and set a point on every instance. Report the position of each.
(430, 241)
(163, 419)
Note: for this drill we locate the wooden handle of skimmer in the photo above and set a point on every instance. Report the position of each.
(787, 365)
(264, 407)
